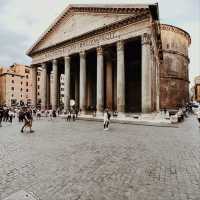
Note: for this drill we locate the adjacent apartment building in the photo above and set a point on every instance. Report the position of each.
(15, 85)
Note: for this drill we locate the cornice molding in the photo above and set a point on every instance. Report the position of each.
(174, 77)
(177, 53)
(71, 9)
(175, 29)
(99, 50)
(110, 27)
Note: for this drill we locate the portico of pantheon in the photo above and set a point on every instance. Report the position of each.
(110, 56)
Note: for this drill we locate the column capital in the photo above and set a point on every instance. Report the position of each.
(82, 54)
(67, 58)
(54, 62)
(146, 38)
(120, 45)
(99, 50)
(43, 65)
(34, 66)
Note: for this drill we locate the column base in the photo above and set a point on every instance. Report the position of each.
(82, 112)
(54, 107)
(146, 110)
(99, 114)
(43, 108)
(121, 115)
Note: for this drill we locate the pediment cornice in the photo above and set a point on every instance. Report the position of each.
(108, 28)
(91, 8)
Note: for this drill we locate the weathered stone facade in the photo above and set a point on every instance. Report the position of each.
(174, 80)
(111, 57)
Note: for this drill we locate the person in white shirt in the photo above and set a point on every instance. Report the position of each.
(106, 119)
(38, 114)
(11, 115)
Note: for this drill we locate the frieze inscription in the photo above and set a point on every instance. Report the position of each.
(75, 47)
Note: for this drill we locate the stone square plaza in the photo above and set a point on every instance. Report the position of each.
(80, 161)
(100, 101)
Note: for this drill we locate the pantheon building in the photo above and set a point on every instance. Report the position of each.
(112, 56)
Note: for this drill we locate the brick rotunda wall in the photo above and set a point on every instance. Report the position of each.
(174, 80)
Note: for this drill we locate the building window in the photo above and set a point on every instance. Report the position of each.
(12, 95)
(62, 89)
(38, 73)
(38, 87)
(12, 88)
(38, 79)
(21, 82)
(13, 81)
(26, 90)
(27, 71)
(38, 93)
(21, 95)
(21, 89)
(26, 83)
(167, 46)
(12, 75)
(26, 76)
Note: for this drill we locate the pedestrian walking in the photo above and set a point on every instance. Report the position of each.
(11, 115)
(1, 115)
(180, 115)
(21, 115)
(38, 114)
(198, 116)
(54, 114)
(50, 115)
(76, 110)
(28, 119)
(68, 116)
(106, 119)
(6, 115)
(73, 115)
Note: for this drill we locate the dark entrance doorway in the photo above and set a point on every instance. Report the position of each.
(133, 75)
(91, 78)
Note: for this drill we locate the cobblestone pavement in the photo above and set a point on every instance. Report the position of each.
(80, 161)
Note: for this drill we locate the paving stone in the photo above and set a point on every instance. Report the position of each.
(80, 161)
(20, 195)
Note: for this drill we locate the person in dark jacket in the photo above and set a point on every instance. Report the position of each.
(28, 119)
(1, 115)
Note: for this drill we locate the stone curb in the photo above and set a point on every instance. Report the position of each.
(143, 123)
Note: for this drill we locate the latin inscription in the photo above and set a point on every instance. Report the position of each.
(76, 47)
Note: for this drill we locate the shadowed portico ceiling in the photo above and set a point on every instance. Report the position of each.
(80, 19)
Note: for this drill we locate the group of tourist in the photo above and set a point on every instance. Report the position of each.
(181, 113)
(6, 115)
(26, 115)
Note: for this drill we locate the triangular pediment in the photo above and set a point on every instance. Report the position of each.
(79, 20)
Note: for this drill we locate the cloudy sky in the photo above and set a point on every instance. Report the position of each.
(23, 21)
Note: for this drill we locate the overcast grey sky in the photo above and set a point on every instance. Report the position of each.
(23, 21)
